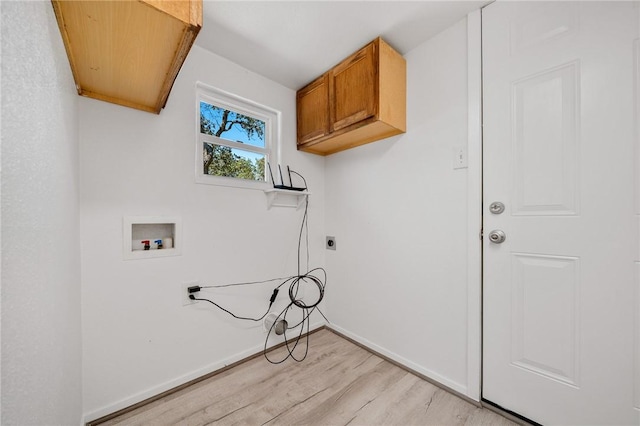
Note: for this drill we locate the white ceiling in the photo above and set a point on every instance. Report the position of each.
(293, 42)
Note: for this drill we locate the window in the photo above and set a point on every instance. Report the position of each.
(236, 138)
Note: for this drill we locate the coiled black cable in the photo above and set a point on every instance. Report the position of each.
(294, 282)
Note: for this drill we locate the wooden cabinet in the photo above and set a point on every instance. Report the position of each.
(128, 52)
(354, 88)
(313, 110)
(360, 100)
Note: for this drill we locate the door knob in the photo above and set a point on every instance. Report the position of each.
(497, 236)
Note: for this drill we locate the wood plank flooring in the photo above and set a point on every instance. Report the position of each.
(339, 383)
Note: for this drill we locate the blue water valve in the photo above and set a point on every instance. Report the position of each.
(159, 243)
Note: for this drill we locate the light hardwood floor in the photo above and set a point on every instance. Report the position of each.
(339, 383)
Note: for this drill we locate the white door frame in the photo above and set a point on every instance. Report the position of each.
(474, 205)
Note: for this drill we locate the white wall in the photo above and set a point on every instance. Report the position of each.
(399, 213)
(41, 349)
(395, 204)
(138, 339)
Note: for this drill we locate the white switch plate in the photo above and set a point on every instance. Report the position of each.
(460, 157)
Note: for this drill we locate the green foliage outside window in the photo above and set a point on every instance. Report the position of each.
(220, 160)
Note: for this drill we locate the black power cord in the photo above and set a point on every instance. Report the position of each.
(294, 283)
(273, 298)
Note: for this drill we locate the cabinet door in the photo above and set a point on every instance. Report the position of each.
(354, 89)
(313, 110)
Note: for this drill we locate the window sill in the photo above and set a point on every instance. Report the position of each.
(232, 182)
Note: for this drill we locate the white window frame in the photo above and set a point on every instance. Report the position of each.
(272, 135)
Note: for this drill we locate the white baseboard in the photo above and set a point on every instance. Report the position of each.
(170, 384)
(431, 375)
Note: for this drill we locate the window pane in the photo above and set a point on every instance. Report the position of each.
(231, 125)
(221, 160)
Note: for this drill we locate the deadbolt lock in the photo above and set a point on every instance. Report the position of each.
(496, 207)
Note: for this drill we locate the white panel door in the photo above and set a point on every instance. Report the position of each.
(559, 294)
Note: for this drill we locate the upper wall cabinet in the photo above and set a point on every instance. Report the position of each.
(128, 52)
(361, 100)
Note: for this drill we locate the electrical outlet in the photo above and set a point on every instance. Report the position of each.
(331, 243)
(184, 294)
